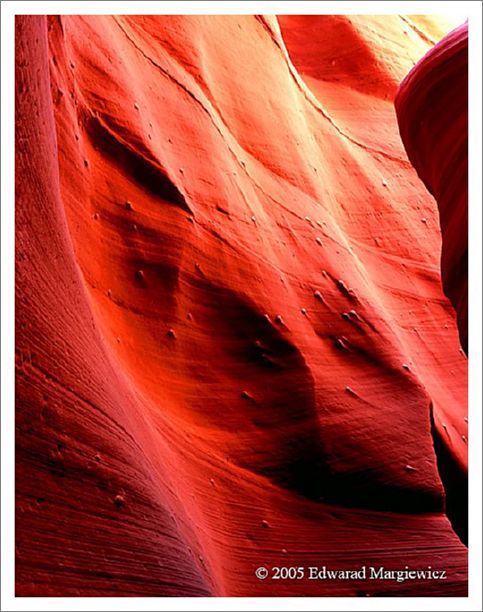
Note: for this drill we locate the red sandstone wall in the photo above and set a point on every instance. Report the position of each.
(230, 324)
(432, 109)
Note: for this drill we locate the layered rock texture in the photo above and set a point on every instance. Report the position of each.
(233, 347)
(432, 109)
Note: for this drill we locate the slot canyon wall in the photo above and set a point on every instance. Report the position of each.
(432, 109)
(233, 349)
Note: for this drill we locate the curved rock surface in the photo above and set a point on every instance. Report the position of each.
(230, 323)
(432, 109)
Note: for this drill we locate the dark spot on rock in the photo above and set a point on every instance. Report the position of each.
(341, 343)
(139, 276)
(119, 501)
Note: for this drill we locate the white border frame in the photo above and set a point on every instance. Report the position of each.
(471, 9)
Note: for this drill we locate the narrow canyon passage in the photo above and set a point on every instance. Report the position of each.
(230, 320)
